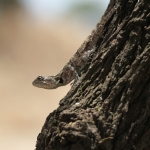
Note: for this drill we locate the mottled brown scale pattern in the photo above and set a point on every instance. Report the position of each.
(72, 70)
(68, 75)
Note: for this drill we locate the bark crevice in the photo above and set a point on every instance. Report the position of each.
(109, 108)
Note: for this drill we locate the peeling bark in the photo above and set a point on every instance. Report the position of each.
(110, 108)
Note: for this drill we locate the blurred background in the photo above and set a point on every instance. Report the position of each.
(37, 37)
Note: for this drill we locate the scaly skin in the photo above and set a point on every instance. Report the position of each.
(66, 75)
(73, 68)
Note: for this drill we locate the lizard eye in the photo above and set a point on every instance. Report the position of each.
(40, 78)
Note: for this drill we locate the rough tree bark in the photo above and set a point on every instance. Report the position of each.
(110, 108)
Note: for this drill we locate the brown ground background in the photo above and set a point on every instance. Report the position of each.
(28, 49)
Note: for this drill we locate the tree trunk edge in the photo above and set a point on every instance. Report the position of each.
(110, 109)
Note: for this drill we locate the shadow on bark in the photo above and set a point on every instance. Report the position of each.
(109, 108)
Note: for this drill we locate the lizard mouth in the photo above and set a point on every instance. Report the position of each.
(38, 81)
(47, 82)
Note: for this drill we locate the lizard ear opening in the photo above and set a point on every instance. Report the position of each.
(58, 79)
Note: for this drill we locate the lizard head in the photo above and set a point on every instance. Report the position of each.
(47, 82)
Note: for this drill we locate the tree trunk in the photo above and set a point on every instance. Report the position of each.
(110, 108)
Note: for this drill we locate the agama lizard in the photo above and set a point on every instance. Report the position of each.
(72, 70)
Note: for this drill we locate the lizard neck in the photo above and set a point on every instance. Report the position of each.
(67, 74)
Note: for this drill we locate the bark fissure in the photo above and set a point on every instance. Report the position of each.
(109, 108)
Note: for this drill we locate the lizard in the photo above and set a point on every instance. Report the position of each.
(72, 70)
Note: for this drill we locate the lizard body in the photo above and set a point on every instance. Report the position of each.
(72, 70)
